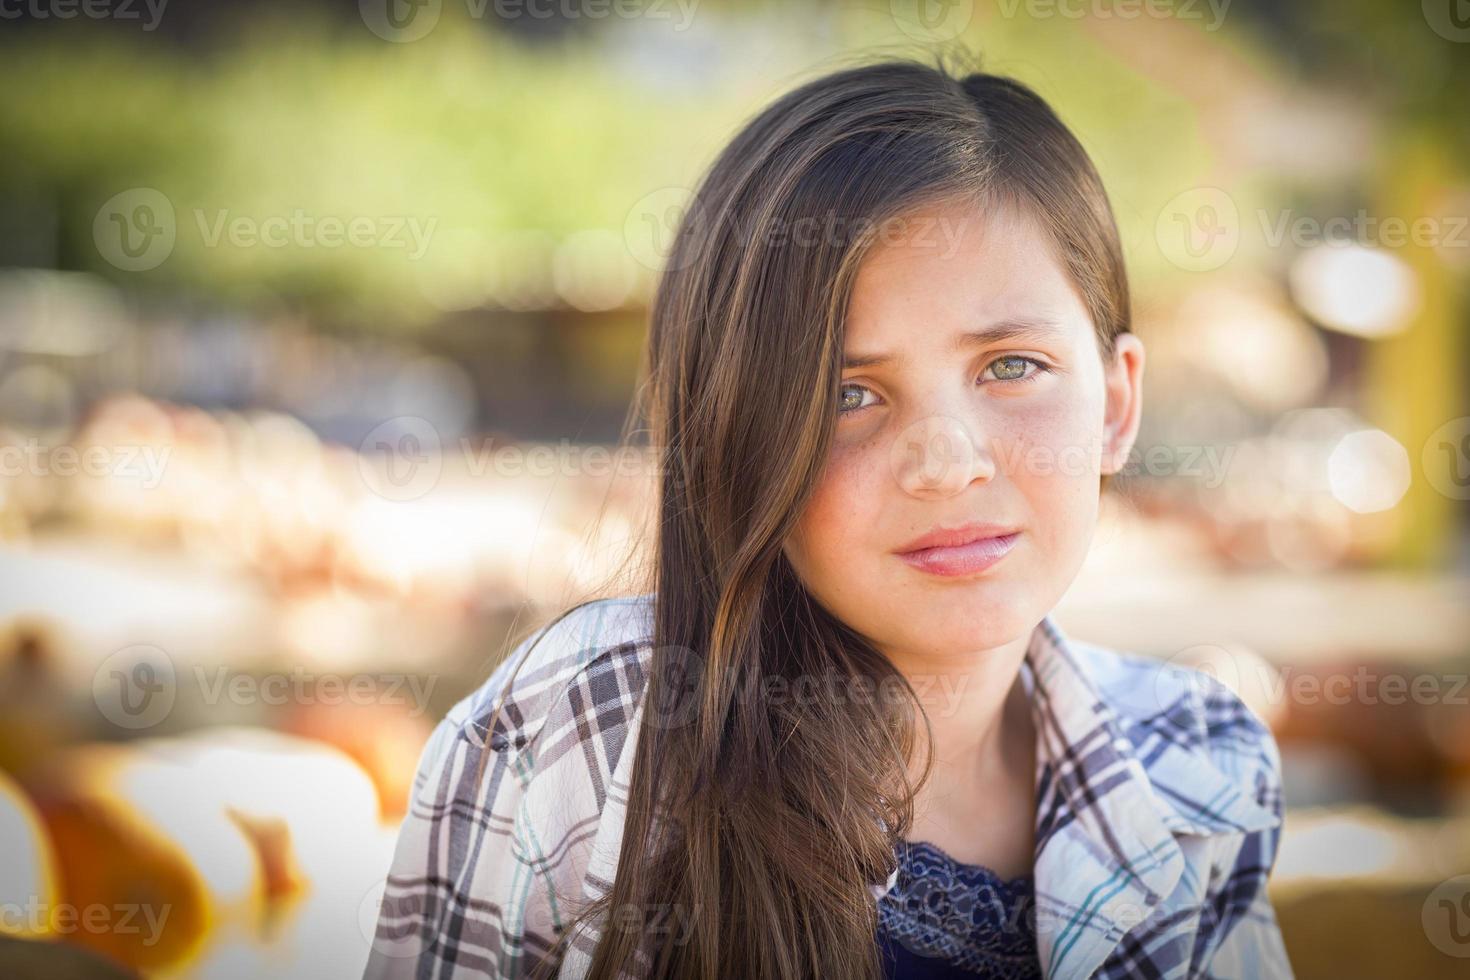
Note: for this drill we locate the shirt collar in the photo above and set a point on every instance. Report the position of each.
(1106, 852)
(1106, 822)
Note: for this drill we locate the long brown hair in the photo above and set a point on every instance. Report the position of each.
(762, 822)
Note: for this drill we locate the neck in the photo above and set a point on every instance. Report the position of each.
(978, 713)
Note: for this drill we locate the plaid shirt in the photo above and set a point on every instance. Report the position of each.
(1158, 813)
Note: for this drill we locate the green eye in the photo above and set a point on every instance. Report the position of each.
(1009, 368)
(1013, 368)
(850, 398)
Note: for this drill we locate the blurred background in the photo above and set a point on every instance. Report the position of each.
(318, 322)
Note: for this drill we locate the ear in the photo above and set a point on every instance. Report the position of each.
(1124, 382)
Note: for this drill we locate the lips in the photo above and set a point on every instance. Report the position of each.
(949, 537)
(960, 551)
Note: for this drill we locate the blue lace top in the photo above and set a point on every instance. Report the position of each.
(943, 918)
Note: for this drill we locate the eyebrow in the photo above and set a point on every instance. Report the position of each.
(998, 332)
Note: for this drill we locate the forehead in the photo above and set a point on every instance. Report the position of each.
(949, 268)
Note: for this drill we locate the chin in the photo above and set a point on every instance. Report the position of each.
(976, 619)
(988, 598)
(943, 636)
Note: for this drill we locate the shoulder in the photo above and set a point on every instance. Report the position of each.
(589, 661)
(509, 799)
(574, 681)
(1160, 702)
(1215, 769)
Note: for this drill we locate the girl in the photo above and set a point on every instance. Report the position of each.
(889, 372)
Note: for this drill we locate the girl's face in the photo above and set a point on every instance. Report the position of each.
(974, 392)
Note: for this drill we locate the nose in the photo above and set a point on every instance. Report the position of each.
(938, 456)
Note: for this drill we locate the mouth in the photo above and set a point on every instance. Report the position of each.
(958, 556)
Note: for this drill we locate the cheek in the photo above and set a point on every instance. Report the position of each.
(1052, 460)
(1055, 439)
(843, 507)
